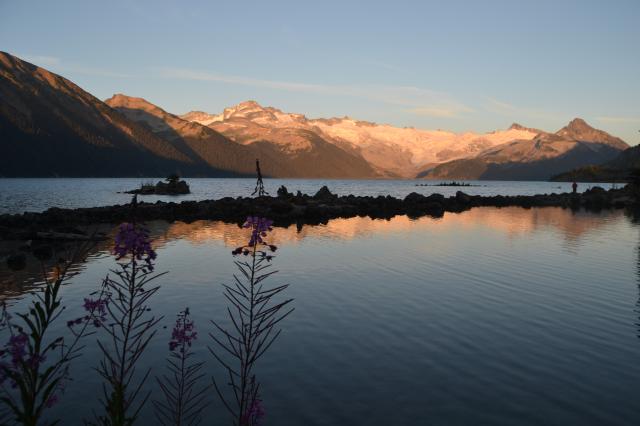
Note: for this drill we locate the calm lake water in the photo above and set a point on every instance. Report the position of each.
(488, 317)
(20, 195)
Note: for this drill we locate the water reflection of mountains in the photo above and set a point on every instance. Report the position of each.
(512, 221)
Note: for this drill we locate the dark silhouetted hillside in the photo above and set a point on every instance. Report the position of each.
(51, 127)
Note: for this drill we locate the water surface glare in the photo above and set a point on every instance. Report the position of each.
(491, 316)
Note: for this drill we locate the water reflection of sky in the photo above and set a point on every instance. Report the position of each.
(491, 316)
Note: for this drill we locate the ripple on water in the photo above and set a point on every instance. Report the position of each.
(492, 316)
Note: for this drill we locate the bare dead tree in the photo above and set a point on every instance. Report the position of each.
(260, 191)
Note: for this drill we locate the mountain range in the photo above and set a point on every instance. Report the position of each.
(51, 127)
(542, 157)
(391, 151)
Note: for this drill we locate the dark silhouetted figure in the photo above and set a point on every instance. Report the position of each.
(259, 185)
(575, 187)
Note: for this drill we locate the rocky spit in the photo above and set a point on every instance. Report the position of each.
(40, 235)
(287, 208)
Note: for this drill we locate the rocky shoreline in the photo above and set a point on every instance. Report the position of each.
(286, 209)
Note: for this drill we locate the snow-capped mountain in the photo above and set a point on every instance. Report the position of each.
(50, 126)
(393, 151)
(515, 153)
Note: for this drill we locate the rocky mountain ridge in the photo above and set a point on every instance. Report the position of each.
(52, 127)
(546, 155)
(518, 152)
(392, 151)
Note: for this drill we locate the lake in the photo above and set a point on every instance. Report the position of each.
(38, 194)
(491, 316)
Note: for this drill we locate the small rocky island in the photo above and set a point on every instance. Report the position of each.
(172, 186)
(452, 183)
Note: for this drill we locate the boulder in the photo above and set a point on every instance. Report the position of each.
(434, 209)
(284, 193)
(463, 198)
(324, 194)
(437, 198)
(415, 198)
(595, 190)
(281, 207)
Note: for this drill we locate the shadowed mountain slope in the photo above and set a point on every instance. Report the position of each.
(620, 169)
(283, 152)
(51, 127)
(197, 142)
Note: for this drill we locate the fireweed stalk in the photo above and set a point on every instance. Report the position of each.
(123, 311)
(34, 366)
(184, 399)
(254, 317)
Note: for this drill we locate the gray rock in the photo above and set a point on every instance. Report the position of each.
(324, 194)
(283, 192)
(415, 198)
(463, 198)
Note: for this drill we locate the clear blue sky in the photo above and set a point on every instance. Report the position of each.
(457, 65)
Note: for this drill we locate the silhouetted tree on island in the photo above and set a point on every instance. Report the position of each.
(260, 191)
(173, 179)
